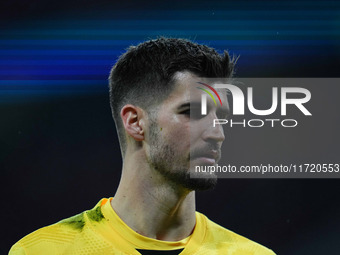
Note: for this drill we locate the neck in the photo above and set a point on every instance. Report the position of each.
(151, 205)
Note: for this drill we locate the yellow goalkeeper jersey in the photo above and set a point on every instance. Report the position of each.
(101, 231)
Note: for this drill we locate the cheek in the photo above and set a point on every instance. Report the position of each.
(198, 128)
(178, 136)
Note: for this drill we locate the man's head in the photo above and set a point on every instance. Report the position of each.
(151, 79)
(143, 76)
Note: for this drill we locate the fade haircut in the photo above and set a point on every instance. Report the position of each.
(143, 75)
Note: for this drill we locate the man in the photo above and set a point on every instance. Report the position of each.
(153, 210)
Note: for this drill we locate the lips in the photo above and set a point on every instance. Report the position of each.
(210, 156)
(206, 161)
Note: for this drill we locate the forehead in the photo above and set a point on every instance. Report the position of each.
(190, 88)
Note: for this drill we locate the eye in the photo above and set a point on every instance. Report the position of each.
(191, 111)
(186, 112)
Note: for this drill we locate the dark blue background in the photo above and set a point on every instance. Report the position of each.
(59, 151)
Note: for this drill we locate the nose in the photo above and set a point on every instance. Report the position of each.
(215, 134)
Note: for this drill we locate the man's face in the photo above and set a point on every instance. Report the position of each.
(180, 138)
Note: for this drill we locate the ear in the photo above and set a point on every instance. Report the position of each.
(132, 117)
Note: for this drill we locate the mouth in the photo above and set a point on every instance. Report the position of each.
(208, 157)
(205, 161)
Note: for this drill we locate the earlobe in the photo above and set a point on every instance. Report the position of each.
(132, 120)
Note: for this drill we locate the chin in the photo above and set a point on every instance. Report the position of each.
(200, 181)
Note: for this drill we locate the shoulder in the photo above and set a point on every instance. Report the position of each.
(61, 236)
(229, 240)
(51, 239)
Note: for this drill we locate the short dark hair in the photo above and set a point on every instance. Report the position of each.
(143, 75)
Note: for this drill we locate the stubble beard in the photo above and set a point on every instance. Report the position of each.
(175, 167)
